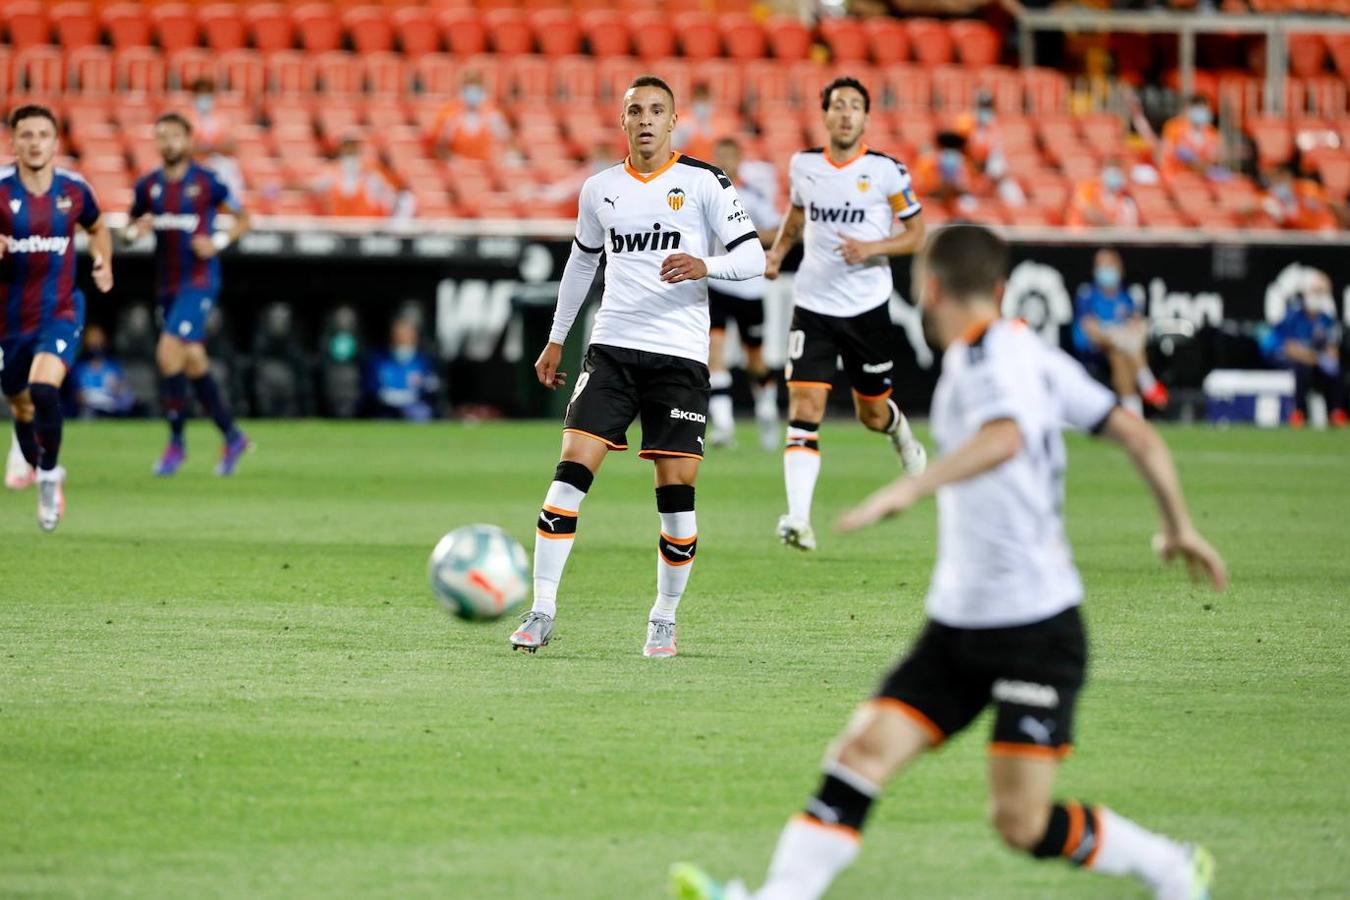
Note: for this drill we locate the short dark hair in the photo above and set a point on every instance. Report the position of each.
(31, 111)
(968, 260)
(653, 81)
(175, 118)
(845, 81)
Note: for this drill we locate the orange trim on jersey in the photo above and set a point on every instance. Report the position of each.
(554, 537)
(610, 444)
(652, 454)
(800, 450)
(628, 167)
(976, 329)
(1031, 751)
(681, 542)
(841, 830)
(811, 384)
(935, 734)
(1075, 811)
(882, 396)
(862, 150)
(1096, 844)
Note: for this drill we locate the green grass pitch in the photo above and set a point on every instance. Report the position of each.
(243, 688)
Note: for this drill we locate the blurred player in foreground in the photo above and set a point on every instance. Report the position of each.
(1004, 626)
(41, 309)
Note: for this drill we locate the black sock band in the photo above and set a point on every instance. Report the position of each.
(673, 498)
(801, 425)
(47, 422)
(839, 803)
(26, 434)
(575, 474)
(1070, 832)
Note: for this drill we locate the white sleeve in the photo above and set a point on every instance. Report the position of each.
(577, 277)
(590, 234)
(725, 213)
(742, 261)
(1084, 403)
(900, 192)
(794, 196)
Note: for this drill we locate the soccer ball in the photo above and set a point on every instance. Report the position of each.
(479, 572)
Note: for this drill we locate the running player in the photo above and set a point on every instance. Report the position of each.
(180, 201)
(657, 217)
(1004, 626)
(844, 201)
(42, 314)
(742, 301)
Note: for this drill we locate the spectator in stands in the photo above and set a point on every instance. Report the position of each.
(696, 134)
(355, 186)
(1191, 143)
(213, 141)
(401, 382)
(339, 368)
(280, 367)
(1109, 331)
(984, 150)
(1307, 342)
(1297, 204)
(99, 381)
(1103, 202)
(944, 173)
(470, 127)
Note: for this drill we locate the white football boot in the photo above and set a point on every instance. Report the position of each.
(660, 639)
(18, 473)
(796, 533)
(535, 631)
(913, 457)
(51, 503)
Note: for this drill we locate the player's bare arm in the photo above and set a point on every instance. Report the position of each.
(1178, 538)
(993, 445)
(904, 242)
(100, 250)
(789, 233)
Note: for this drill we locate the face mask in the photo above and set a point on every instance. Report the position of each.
(984, 115)
(1113, 179)
(1284, 191)
(342, 348)
(405, 355)
(204, 103)
(949, 161)
(1199, 116)
(351, 164)
(473, 96)
(702, 109)
(1108, 277)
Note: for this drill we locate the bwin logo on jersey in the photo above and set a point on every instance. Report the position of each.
(675, 197)
(846, 215)
(656, 239)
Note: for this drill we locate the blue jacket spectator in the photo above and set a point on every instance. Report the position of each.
(1307, 342)
(1109, 329)
(401, 382)
(99, 379)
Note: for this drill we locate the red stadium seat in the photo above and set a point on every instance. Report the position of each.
(291, 72)
(436, 75)
(743, 36)
(1239, 94)
(1307, 54)
(175, 26)
(271, 27)
(127, 25)
(464, 32)
(385, 74)
(556, 31)
(416, 30)
(846, 39)
(371, 29)
(40, 69)
(76, 25)
(1274, 142)
(887, 40)
(725, 80)
(244, 72)
(1339, 47)
(576, 77)
(930, 40)
(976, 42)
(189, 65)
(789, 39)
(1104, 133)
(606, 33)
(954, 88)
(909, 88)
(615, 75)
(1003, 85)
(26, 23)
(87, 111)
(653, 35)
(1046, 91)
(318, 26)
(1326, 96)
(339, 72)
(1335, 173)
(530, 78)
(140, 70)
(699, 38)
(766, 86)
(918, 131)
(91, 70)
(222, 25)
(509, 31)
(6, 71)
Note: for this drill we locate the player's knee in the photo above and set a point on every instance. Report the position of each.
(21, 407)
(874, 416)
(861, 750)
(195, 363)
(1020, 825)
(805, 407)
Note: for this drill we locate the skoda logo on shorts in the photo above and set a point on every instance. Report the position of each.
(675, 197)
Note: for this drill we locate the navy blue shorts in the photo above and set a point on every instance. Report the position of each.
(184, 314)
(59, 337)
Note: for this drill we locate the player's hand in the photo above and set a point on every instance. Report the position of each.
(203, 246)
(679, 267)
(773, 262)
(103, 279)
(130, 235)
(1202, 561)
(891, 500)
(855, 251)
(546, 367)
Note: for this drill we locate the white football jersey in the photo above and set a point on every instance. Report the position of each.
(756, 186)
(1003, 557)
(859, 198)
(686, 206)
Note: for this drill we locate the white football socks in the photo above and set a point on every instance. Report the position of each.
(553, 539)
(674, 562)
(801, 468)
(721, 415)
(1125, 848)
(808, 858)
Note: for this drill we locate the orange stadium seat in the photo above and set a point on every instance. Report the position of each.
(976, 42)
(909, 88)
(244, 72)
(742, 36)
(1307, 54)
(436, 75)
(765, 84)
(76, 25)
(1239, 94)
(653, 35)
(91, 70)
(789, 39)
(175, 26)
(385, 74)
(338, 72)
(464, 32)
(845, 38)
(1335, 172)
(1274, 141)
(6, 71)
(40, 69)
(1003, 85)
(1326, 96)
(699, 37)
(1104, 133)
(1338, 46)
(291, 72)
(606, 33)
(318, 27)
(223, 26)
(1046, 91)
(370, 29)
(887, 40)
(725, 80)
(416, 29)
(127, 25)
(188, 65)
(930, 40)
(954, 88)
(87, 111)
(270, 26)
(509, 30)
(26, 23)
(557, 32)
(576, 77)
(530, 78)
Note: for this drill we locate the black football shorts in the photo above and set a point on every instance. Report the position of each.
(748, 313)
(865, 342)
